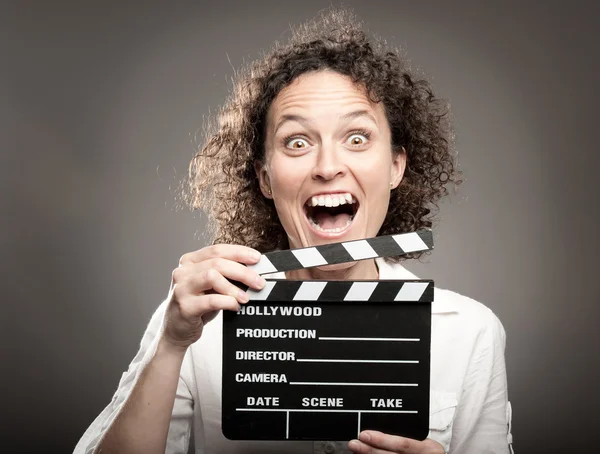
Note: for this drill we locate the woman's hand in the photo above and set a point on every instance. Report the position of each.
(373, 442)
(200, 288)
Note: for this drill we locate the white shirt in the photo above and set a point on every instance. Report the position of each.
(469, 408)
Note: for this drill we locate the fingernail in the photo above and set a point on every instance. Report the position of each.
(353, 444)
(364, 436)
(260, 282)
(255, 255)
(244, 298)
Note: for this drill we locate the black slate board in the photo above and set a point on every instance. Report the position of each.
(347, 352)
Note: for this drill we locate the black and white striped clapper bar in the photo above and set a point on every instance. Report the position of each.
(323, 360)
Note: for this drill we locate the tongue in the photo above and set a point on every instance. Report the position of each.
(329, 221)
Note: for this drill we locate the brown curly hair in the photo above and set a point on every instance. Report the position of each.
(222, 180)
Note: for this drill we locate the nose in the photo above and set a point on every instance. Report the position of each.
(328, 164)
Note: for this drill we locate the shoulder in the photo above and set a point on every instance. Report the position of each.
(471, 315)
(473, 320)
(468, 312)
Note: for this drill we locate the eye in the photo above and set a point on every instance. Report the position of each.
(358, 138)
(296, 143)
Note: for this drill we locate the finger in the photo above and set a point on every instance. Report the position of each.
(215, 302)
(388, 442)
(363, 448)
(200, 306)
(233, 271)
(236, 252)
(210, 279)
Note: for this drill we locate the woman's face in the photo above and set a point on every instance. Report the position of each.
(329, 163)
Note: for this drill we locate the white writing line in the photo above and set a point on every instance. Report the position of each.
(390, 339)
(349, 384)
(322, 410)
(382, 361)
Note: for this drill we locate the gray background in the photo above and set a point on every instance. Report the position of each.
(101, 104)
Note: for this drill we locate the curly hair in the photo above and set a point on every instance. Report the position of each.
(222, 180)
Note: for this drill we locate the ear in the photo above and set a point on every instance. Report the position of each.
(263, 179)
(398, 167)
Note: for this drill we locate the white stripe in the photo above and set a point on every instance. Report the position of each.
(309, 256)
(398, 339)
(410, 242)
(263, 266)
(309, 291)
(358, 426)
(360, 249)
(261, 294)
(324, 383)
(375, 361)
(411, 291)
(324, 410)
(360, 291)
(287, 424)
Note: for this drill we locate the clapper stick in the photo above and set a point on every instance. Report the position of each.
(323, 360)
(349, 251)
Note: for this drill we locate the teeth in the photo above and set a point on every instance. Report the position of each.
(336, 230)
(331, 200)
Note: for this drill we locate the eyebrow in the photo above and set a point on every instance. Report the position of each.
(297, 118)
(358, 114)
(306, 121)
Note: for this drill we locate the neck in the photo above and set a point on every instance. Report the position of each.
(365, 269)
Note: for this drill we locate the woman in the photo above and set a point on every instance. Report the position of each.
(328, 120)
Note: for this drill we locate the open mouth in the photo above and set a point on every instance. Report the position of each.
(331, 213)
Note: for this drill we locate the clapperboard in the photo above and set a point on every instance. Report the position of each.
(323, 360)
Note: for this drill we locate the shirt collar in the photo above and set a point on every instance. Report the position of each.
(441, 303)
